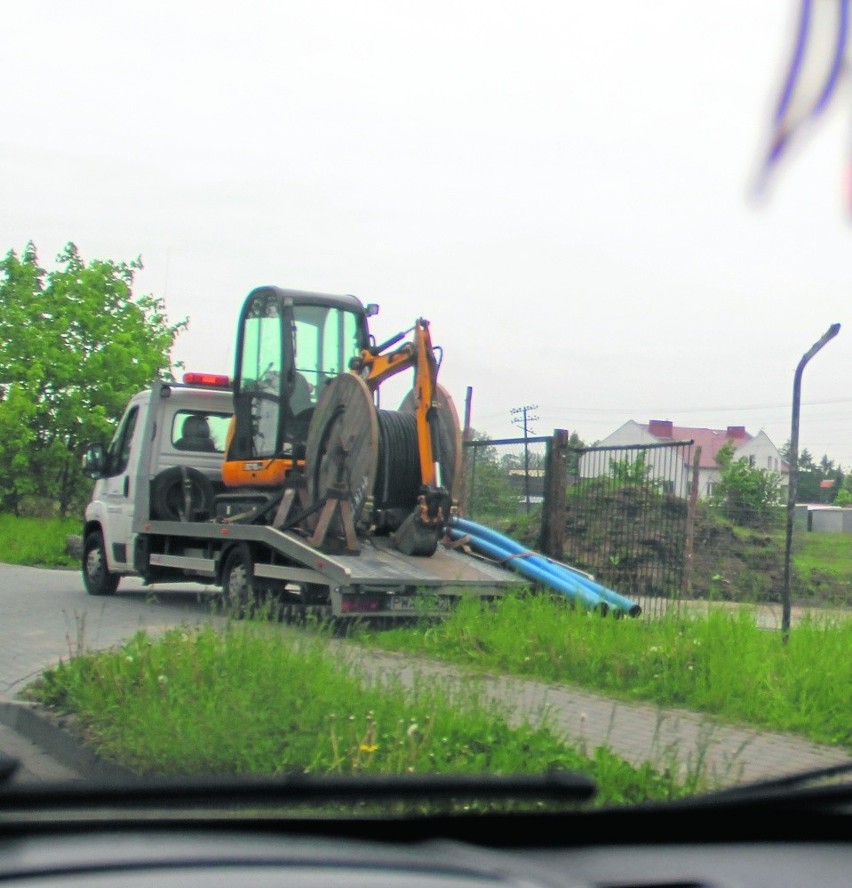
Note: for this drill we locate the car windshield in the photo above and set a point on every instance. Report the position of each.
(569, 518)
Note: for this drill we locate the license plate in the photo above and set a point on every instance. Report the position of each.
(402, 603)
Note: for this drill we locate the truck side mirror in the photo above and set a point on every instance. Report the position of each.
(94, 461)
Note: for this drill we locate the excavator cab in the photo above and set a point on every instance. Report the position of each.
(290, 344)
(307, 425)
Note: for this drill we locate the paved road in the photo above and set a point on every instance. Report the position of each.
(47, 615)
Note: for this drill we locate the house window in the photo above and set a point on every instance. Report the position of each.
(711, 488)
(751, 460)
(668, 487)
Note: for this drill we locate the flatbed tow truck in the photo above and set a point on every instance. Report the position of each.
(288, 481)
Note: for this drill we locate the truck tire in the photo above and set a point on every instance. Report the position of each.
(238, 582)
(97, 579)
(181, 494)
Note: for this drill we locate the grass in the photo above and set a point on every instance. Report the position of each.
(721, 663)
(823, 563)
(37, 542)
(198, 701)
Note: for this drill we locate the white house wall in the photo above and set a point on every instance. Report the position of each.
(632, 434)
(759, 450)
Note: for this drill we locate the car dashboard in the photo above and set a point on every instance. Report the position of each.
(598, 849)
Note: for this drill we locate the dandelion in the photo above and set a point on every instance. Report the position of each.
(368, 747)
(162, 679)
(412, 729)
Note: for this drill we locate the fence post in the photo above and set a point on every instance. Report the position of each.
(689, 545)
(552, 534)
(466, 433)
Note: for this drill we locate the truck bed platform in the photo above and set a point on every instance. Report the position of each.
(377, 565)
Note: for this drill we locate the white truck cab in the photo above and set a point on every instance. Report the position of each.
(164, 463)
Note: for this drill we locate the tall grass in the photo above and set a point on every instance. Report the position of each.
(246, 700)
(38, 542)
(721, 664)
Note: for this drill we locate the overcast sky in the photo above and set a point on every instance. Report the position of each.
(562, 188)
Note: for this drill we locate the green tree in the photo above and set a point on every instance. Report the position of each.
(575, 448)
(811, 475)
(844, 494)
(748, 496)
(490, 492)
(633, 471)
(75, 344)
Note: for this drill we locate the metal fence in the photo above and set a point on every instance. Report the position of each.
(625, 517)
(504, 483)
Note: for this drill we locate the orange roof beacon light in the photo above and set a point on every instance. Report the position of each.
(215, 380)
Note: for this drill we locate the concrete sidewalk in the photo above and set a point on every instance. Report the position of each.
(669, 738)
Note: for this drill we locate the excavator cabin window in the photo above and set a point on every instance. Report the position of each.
(325, 340)
(287, 352)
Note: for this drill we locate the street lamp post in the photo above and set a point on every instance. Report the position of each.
(793, 456)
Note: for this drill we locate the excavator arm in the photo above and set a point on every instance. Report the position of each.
(375, 365)
(418, 534)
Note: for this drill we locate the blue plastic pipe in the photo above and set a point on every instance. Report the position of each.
(534, 572)
(609, 595)
(559, 576)
(560, 570)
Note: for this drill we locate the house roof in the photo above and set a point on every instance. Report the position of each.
(709, 440)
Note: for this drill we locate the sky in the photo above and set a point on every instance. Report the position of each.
(563, 189)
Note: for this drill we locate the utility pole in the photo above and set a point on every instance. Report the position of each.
(527, 419)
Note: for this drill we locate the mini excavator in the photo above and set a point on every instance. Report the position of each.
(308, 440)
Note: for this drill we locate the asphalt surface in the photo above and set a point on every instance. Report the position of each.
(46, 615)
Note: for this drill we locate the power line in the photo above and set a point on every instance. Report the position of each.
(525, 412)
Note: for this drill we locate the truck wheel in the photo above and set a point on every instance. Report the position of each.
(96, 578)
(181, 494)
(238, 582)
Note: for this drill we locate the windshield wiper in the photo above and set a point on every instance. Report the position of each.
(802, 788)
(204, 792)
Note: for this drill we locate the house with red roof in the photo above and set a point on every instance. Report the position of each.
(757, 449)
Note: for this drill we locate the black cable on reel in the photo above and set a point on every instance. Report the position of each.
(398, 473)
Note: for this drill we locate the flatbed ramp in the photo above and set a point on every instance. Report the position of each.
(379, 563)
